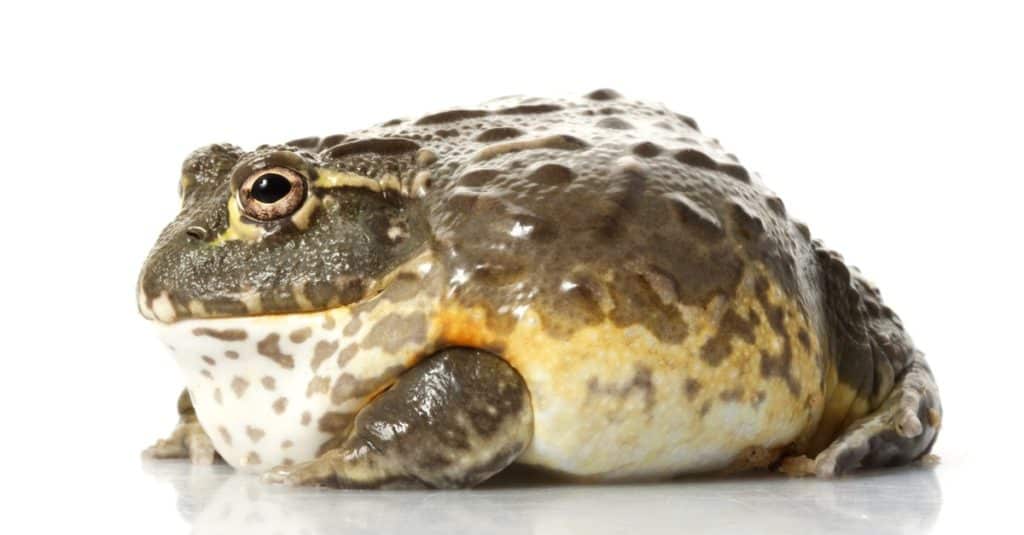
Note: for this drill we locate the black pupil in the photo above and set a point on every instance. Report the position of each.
(270, 188)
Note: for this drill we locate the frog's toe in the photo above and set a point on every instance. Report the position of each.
(316, 473)
(188, 441)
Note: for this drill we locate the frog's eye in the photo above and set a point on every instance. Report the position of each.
(272, 193)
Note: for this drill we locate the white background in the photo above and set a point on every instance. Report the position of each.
(893, 129)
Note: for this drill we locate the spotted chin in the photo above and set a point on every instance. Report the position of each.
(273, 389)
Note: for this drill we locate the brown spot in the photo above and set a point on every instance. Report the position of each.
(499, 134)
(692, 388)
(233, 355)
(748, 225)
(318, 385)
(209, 360)
(603, 94)
(451, 116)
(347, 353)
(306, 417)
(614, 123)
(647, 149)
(255, 433)
(349, 386)
(305, 142)
(335, 422)
(641, 382)
(268, 382)
(332, 140)
(300, 335)
(759, 399)
(804, 338)
(280, 404)
(287, 461)
(385, 146)
(352, 327)
(688, 121)
(732, 394)
(705, 407)
(270, 348)
(394, 331)
(720, 345)
(776, 205)
(328, 322)
(229, 335)
(287, 444)
(239, 385)
(252, 458)
(405, 286)
(207, 374)
(478, 177)
(551, 175)
(696, 158)
(736, 171)
(218, 397)
(224, 435)
(529, 109)
(322, 350)
(779, 365)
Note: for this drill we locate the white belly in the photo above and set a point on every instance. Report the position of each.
(271, 390)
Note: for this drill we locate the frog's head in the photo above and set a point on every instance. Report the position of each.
(279, 230)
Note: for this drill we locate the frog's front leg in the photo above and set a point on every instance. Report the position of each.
(188, 440)
(453, 420)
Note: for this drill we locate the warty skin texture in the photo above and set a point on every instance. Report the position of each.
(665, 313)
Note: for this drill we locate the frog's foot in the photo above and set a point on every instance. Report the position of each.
(187, 441)
(898, 432)
(453, 420)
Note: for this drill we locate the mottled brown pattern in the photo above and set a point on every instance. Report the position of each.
(300, 335)
(319, 384)
(255, 434)
(270, 347)
(731, 326)
(322, 351)
(228, 335)
(394, 331)
(239, 386)
(348, 386)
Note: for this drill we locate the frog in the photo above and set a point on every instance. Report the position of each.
(588, 286)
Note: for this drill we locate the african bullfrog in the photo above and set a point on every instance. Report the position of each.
(590, 286)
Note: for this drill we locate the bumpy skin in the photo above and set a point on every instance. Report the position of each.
(664, 312)
(453, 421)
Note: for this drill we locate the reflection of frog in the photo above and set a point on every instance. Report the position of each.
(215, 500)
(590, 286)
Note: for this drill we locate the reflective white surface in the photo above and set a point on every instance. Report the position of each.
(217, 500)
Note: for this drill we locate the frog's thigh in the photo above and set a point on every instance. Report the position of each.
(899, 431)
(453, 420)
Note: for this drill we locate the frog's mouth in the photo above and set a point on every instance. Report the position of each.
(161, 299)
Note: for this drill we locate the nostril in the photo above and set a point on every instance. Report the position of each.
(196, 233)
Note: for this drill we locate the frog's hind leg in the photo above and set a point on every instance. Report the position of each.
(898, 432)
(187, 441)
(453, 420)
(884, 407)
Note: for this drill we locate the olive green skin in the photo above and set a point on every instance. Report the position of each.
(587, 211)
(334, 261)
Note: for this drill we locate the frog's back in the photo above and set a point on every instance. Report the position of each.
(653, 294)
